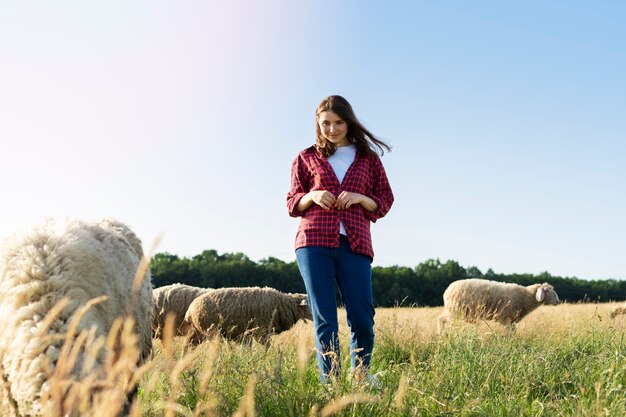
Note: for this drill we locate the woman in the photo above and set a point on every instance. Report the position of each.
(339, 186)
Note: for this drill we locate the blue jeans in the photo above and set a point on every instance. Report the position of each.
(320, 268)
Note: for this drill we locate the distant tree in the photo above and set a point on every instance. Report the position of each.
(422, 285)
(282, 275)
(394, 285)
(435, 278)
(473, 272)
(167, 269)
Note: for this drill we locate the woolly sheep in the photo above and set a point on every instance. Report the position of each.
(244, 313)
(617, 310)
(172, 300)
(506, 303)
(72, 260)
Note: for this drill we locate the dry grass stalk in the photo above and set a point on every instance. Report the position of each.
(61, 397)
(52, 315)
(77, 385)
(168, 333)
(246, 406)
(340, 403)
(303, 356)
(172, 408)
(206, 409)
(398, 398)
(209, 368)
(175, 381)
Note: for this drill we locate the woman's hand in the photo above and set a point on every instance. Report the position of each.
(347, 199)
(324, 199)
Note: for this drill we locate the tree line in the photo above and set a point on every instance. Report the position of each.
(392, 286)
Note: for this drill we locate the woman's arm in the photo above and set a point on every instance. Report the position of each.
(381, 191)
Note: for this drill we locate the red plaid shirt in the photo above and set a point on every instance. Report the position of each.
(318, 227)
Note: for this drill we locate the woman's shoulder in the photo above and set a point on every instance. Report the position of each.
(308, 152)
(306, 157)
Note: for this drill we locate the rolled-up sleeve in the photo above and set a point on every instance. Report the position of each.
(298, 186)
(381, 192)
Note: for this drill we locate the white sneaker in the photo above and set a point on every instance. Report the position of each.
(373, 382)
(366, 377)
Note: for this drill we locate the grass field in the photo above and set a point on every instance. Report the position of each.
(567, 360)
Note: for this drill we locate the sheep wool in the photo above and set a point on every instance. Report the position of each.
(618, 310)
(69, 259)
(506, 303)
(174, 300)
(245, 313)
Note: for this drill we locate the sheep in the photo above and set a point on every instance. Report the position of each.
(49, 275)
(244, 314)
(506, 303)
(174, 300)
(617, 310)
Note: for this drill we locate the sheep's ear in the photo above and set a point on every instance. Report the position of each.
(540, 294)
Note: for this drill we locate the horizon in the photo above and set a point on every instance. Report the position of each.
(442, 262)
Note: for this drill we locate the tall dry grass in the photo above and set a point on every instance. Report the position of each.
(472, 370)
(565, 360)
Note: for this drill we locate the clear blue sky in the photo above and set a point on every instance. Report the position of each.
(181, 119)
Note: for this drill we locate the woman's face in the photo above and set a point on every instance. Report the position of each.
(333, 128)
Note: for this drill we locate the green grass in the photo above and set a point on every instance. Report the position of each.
(562, 363)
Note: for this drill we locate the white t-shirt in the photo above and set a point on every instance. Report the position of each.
(341, 161)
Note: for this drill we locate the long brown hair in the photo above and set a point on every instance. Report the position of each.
(366, 143)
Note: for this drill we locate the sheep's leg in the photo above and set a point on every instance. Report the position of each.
(195, 335)
(192, 339)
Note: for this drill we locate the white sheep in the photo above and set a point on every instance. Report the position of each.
(506, 303)
(73, 261)
(172, 300)
(244, 313)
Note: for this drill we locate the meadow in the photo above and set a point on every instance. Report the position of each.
(566, 360)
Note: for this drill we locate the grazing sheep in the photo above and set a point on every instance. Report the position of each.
(74, 262)
(480, 299)
(174, 300)
(244, 314)
(617, 310)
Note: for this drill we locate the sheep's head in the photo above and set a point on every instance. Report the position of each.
(303, 306)
(545, 294)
